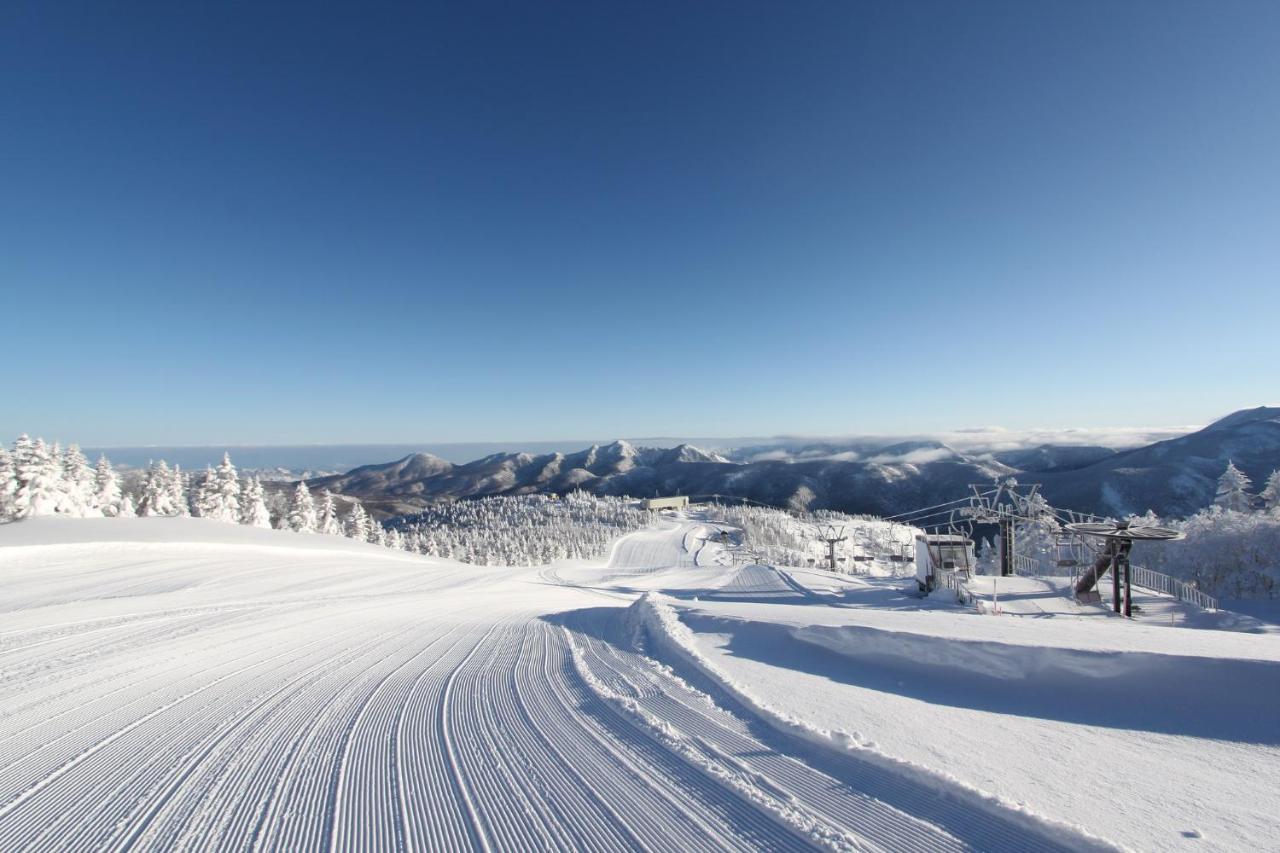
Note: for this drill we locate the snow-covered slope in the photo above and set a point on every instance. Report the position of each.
(178, 683)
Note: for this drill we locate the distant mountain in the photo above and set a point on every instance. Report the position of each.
(898, 475)
(1054, 457)
(1173, 477)
(1176, 477)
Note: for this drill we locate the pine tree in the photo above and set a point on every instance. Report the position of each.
(1271, 493)
(157, 495)
(253, 509)
(329, 523)
(126, 508)
(106, 488)
(202, 503)
(223, 498)
(302, 510)
(358, 523)
(1233, 492)
(39, 478)
(78, 484)
(179, 496)
(8, 485)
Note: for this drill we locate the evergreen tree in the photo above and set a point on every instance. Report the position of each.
(126, 507)
(302, 510)
(358, 523)
(8, 485)
(106, 488)
(253, 509)
(223, 498)
(202, 503)
(1271, 493)
(38, 474)
(81, 498)
(329, 523)
(1233, 491)
(157, 491)
(179, 496)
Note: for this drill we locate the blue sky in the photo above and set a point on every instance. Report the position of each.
(262, 223)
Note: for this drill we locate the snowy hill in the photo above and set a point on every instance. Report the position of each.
(903, 475)
(175, 682)
(1172, 477)
(1175, 477)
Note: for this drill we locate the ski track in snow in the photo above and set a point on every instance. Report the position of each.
(317, 701)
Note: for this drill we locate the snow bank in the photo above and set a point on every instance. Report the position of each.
(653, 617)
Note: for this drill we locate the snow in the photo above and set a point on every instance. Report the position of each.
(176, 682)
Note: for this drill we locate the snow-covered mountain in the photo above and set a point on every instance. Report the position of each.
(1172, 477)
(897, 475)
(1176, 477)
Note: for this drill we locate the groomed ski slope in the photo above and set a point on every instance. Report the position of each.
(175, 683)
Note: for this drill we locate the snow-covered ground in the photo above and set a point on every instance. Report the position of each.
(171, 682)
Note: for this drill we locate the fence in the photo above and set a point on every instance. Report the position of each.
(954, 580)
(1142, 576)
(1148, 579)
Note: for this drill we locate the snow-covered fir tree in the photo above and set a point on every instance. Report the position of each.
(358, 523)
(106, 488)
(302, 510)
(222, 502)
(328, 521)
(202, 494)
(157, 491)
(1233, 490)
(78, 484)
(1270, 493)
(253, 505)
(38, 475)
(179, 491)
(8, 485)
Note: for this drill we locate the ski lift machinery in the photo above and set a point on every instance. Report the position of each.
(1118, 538)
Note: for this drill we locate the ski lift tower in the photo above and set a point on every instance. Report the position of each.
(999, 506)
(832, 536)
(1119, 537)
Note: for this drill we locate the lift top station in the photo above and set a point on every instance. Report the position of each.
(1119, 537)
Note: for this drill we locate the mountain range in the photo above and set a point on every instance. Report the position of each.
(1174, 477)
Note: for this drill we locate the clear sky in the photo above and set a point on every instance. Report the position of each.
(262, 223)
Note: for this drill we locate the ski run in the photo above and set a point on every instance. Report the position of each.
(175, 683)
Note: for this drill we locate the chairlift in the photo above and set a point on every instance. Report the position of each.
(1067, 552)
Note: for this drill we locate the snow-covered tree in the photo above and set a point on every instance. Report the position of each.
(328, 520)
(8, 485)
(179, 495)
(126, 508)
(202, 498)
(157, 491)
(253, 506)
(358, 523)
(1270, 493)
(1233, 490)
(78, 484)
(302, 510)
(222, 501)
(106, 488)
(38, 473)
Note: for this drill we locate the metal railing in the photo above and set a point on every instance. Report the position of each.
(1144, 577)
(954, 580)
